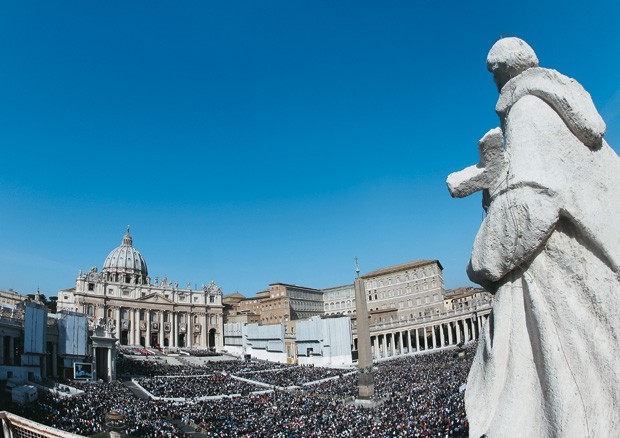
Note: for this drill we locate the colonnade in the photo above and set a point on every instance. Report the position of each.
(399, 341)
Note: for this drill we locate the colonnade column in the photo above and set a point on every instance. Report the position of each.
(449, 333)
(465, 331)
(473, 329)
(434, 336)
(400, 340)
(417, 340)
(442, 342)
(425, 339)
(409, 341)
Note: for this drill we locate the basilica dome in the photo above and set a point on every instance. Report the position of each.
(125, 264)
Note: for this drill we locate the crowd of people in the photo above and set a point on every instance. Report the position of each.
(208, 385)
(85, 414)
(293, 375)
(419, 395)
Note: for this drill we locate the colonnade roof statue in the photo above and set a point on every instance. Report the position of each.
(548, 361)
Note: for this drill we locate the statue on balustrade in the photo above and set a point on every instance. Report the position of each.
(548, 360)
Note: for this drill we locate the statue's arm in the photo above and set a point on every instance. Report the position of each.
(517, 224)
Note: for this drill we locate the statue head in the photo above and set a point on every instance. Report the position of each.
(508, 58)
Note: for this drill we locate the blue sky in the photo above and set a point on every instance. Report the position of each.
(258, 142)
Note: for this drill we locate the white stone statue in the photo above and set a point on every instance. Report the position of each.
(548, 360)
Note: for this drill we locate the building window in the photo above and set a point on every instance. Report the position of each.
(91, 286)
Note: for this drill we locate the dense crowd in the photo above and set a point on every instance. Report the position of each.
(85, 414)
(217, 384)
(293, 376)
(419, 396)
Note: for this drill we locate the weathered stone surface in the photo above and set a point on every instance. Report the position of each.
(548, 361)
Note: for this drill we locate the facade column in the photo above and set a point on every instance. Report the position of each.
(400, 343)
(449, 333)
(434, 337)
(204, 336)
(160, 320)
(137, 333)
(173, 331)
(118, 323)
(425, 339)
(375, 346)
(133, 327)
(458, 331)
(189, 334)
(480, 323)
(147, 316)
(2, 354)
(417, 340)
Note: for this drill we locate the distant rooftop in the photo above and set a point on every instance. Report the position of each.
(401, 267)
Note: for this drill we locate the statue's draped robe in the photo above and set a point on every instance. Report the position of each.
(548, 360)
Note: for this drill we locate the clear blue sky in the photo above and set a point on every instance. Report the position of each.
(258, 142)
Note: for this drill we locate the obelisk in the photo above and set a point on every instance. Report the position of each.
(366, 380)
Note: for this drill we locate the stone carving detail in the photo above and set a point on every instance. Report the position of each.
(549, 248)
(213, 288)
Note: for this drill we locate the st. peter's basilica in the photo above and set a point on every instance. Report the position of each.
(156, 314)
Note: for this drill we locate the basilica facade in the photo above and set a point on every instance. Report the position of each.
(143, 312)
